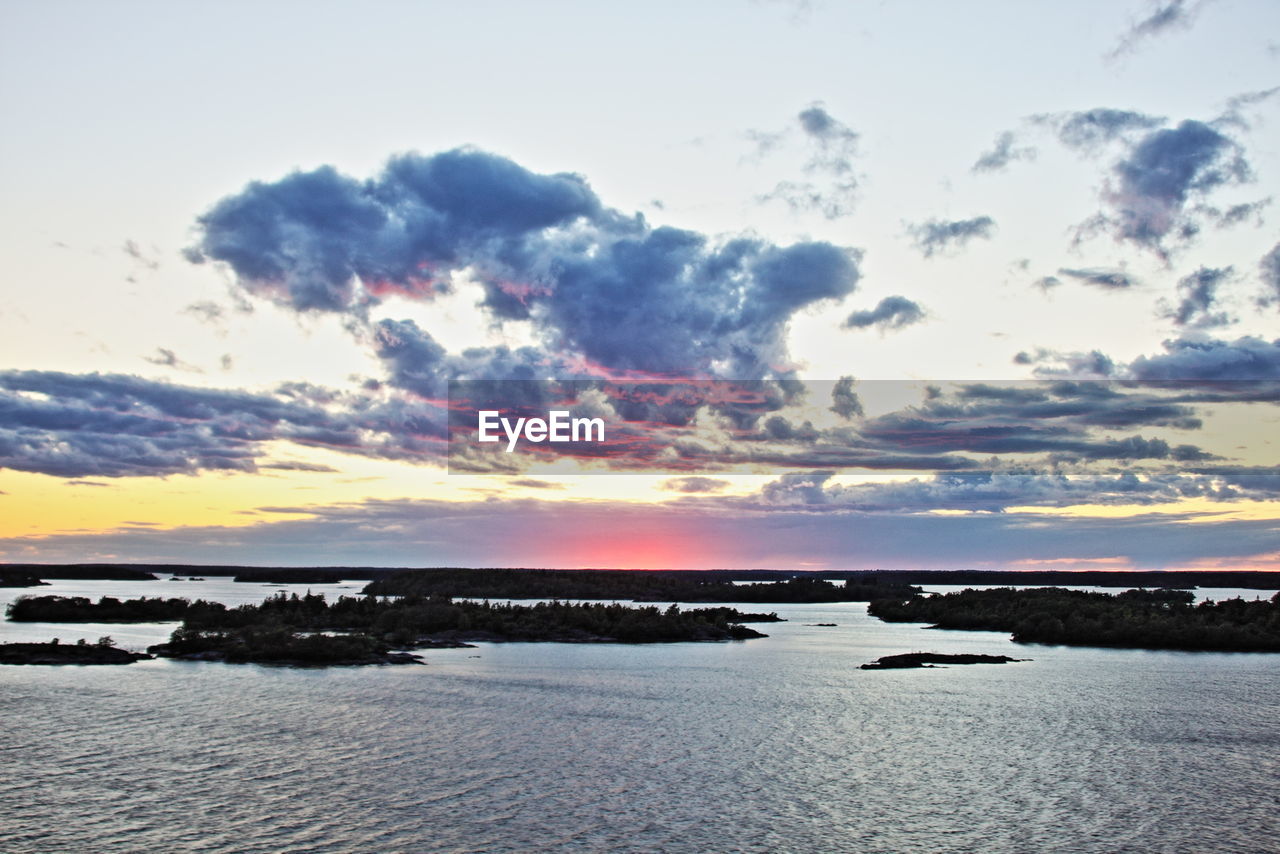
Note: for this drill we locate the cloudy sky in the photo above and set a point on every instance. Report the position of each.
(1001, 280)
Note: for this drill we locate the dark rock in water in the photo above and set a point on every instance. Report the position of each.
(930, 659)
(66, 653)
(823, 625)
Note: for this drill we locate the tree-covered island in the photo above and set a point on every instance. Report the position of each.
(1136, 619)
(309, 630)
(82, 652)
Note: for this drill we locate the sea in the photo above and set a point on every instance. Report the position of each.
(780, 744)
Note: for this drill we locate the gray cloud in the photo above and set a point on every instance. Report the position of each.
(1088, 131)
(895, 312)
(1197, 358)
(934, 236)
(694, 485)
(535, 483)
(844, 400)
(321, 241)
(1001, 154)
(207, 311)
(1237, 214)
(1151, 187)
(1198, 294)
(996, 492)
(134, 251)
(1112, 280)
(111, 425)
(1237, 106)
(292, 465)
(1165, 17)
(166, 358)
(833, 148)
(1078, 365)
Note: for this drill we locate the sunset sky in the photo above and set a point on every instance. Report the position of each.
(1007, 271)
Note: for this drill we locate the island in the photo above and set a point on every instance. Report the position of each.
(83, 652)
(19, 578)
(1135, 619)
(108, 609)
(310, 630)
(932, 659)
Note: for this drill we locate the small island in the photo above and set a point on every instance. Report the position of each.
(18, 578)
(1134, 619)
(108, 609)
(932, 659)
(102, 652)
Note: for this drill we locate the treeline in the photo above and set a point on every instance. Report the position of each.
(108, 609)
(636, 585)
(1140, 619)
(1257, 579)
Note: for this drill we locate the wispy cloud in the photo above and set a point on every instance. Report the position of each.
(1165, 17)
(938, 236)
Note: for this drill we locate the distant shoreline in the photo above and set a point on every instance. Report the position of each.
(1246, 579)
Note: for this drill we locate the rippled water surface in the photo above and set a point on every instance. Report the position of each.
(780, 744)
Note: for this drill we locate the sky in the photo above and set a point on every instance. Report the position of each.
(981, 285)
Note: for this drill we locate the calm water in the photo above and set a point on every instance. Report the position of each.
(780, 744)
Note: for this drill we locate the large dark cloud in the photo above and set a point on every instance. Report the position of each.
(934, 236)
(320, 240)
(895, 312)
(605, 287)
